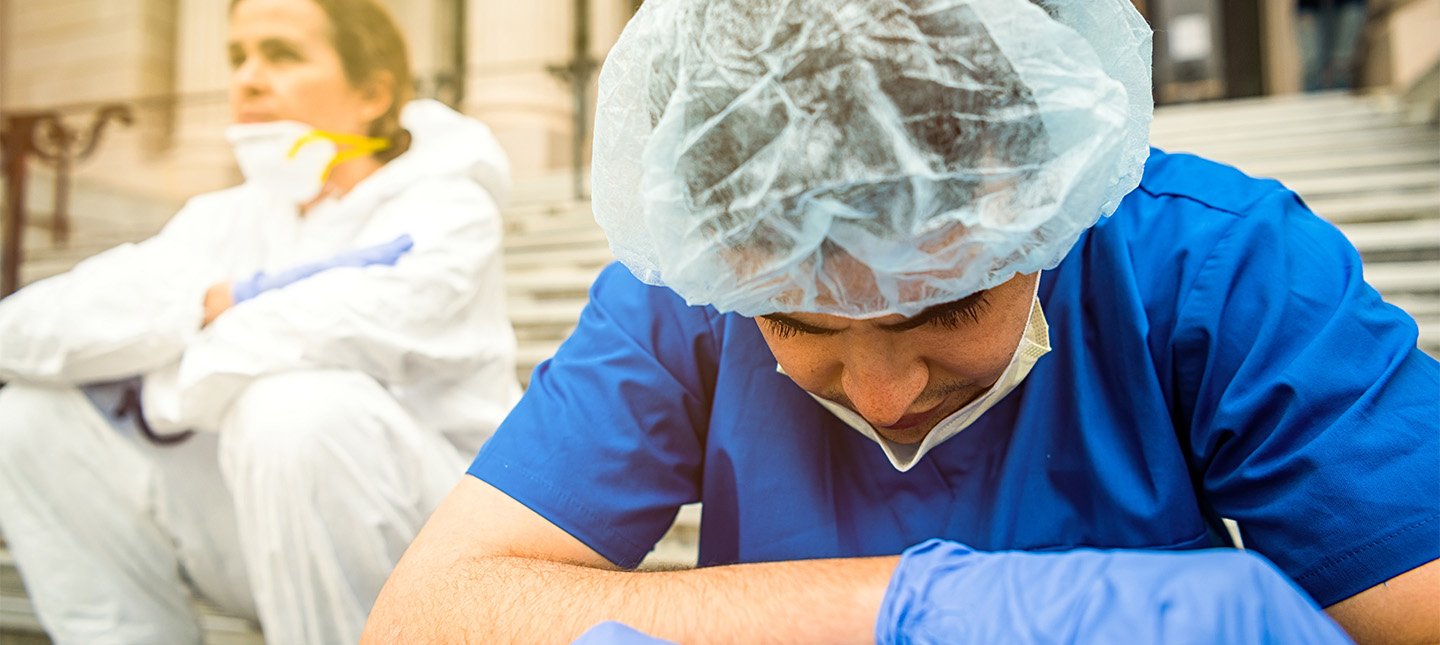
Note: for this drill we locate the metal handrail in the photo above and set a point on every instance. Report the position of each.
(39, 132)
(43, 134)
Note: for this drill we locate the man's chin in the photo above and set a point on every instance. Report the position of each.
(917, 433)
(906, 436)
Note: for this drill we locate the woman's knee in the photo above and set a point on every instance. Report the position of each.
(29, 414)
(299, 418)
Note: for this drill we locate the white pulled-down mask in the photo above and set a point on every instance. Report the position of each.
(292, 160)
(1034, 343)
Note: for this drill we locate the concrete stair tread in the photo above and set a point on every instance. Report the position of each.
(1343, 209)
(1239, 151)
(1418, 306)
(539, 213)
(520, 242)
(1289, 104)
(1383, 236)
(1370, 181)
(1395, 278)
(1220, 131)
(17, 615)
(550, 281)
(546, 313)
(1423, 154)
(589, 257)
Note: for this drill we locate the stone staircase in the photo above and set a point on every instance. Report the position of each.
(1356, 163)
(1353, 159)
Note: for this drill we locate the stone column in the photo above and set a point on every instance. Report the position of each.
(1282, 49)
(5, 56)
(1414, 49)
(510, 47)
(201, 159)
(607, 20)
(430, 33)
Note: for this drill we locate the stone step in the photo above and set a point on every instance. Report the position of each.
(1343, 209)
(530, 354)
(680, 547)
(547, 189)
(550, 284)
(1417, 306)
(1289, 104)
(540, 241)
(1219, 131)
(590, 256)
(1416, 180)
(1409, 235)
(545, 322)
(1242, 151)
(547, 314)
(17, 615)
(1395, 279)
(1422, 154)
(577, 219)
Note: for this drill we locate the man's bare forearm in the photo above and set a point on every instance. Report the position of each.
(498, 598)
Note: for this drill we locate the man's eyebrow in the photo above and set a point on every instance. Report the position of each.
(797, 324)
(962, 305)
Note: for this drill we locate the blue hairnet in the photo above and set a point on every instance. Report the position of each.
(864, 157)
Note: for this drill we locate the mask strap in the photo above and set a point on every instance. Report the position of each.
(357, 146)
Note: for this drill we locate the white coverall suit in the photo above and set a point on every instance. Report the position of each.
(332, 414)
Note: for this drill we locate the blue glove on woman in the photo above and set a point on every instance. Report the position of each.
(944, 592)
(387, 254)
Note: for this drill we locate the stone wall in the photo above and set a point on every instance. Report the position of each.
(75, 53)
(169, 56)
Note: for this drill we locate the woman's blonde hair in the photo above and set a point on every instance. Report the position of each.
(368, 43)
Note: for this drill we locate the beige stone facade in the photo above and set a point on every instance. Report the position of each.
(166, 58)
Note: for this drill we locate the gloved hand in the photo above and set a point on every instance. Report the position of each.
(944, 592)
(388, 254)
(613, 633)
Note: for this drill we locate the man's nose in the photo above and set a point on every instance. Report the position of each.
(883, 387)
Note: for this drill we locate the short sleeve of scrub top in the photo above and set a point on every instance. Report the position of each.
(626, 424)
(1312, 418)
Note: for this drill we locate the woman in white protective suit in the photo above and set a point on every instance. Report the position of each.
(264, 401)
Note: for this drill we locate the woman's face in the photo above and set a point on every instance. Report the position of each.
(284, 67)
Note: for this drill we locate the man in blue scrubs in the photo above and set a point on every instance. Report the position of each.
(870, 298)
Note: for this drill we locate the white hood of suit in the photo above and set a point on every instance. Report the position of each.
(443, 143)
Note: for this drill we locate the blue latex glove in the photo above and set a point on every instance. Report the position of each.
(613, 633)
(387, 254)
(944, 592)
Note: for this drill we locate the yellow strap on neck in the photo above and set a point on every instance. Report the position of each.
(356, 146)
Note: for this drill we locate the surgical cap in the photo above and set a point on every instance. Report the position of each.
(864, 157)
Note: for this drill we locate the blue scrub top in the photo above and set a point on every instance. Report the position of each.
(1216, 354)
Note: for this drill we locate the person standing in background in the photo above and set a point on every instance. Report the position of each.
(1329, 33)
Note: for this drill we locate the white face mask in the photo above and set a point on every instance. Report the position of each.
(292, 160)
(1034, 343)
